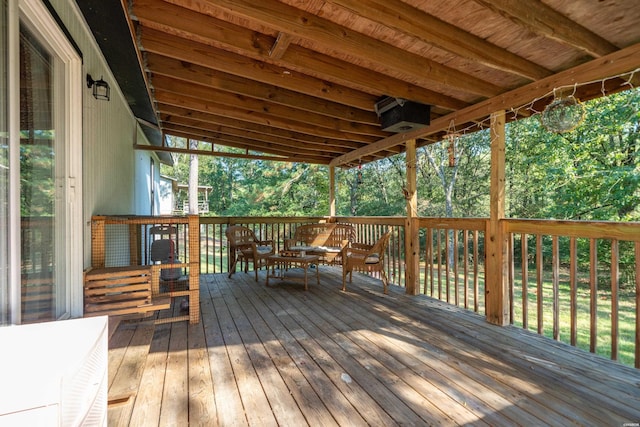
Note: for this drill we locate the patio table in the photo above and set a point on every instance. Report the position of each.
(284, 261)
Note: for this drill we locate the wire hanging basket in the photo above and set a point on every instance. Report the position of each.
(563, 115)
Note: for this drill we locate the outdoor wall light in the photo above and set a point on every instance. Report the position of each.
(101, 89)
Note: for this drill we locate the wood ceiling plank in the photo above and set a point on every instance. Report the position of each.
(299, 65)
(208, 94)
(626, 60)
(162, 65)
(169, 111)
(298, 23)
(545, 21)
(254, 116)
(236, 140)
(211, 153)
(404, 18)
(186, 123)
(153, 40)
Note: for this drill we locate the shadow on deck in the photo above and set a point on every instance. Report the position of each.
(282, 356)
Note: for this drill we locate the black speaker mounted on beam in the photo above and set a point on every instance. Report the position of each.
(400, 115)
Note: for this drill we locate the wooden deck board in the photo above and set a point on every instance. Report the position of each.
(285, 356)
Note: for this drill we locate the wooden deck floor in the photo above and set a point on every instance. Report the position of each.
(282, 356)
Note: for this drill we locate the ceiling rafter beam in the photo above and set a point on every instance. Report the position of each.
(282, 17)
(623, 61)
(208, 94)
(405, 18)
(168, 112)
(187, 72)
(256, 117)
(546, 21)
(296, 69)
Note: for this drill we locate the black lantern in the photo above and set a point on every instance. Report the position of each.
(101, 89)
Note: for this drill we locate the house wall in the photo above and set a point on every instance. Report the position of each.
(113, 181)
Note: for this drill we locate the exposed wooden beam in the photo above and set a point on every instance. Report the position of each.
(254, 116)
(172, 113)
(405, 18)
(237, 137)
(153, 40)
(546, 21)
(230, 141)
(299, 65)
(210, 153)
(208, 94)
(173, 68)
(282, 17)
(622, 61)
(280, 45)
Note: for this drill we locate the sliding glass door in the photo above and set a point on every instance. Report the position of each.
(40, 158)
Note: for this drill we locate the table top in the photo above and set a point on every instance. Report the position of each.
(303, 259)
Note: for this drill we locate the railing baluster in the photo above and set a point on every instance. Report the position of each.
(615, 284)
(510, 278)
(539, 271)
(637, 335)
(465, 266)
(524, 250)
(476, 280)
(555, 260)
(593, 277)
(456, 282)
(573, 291)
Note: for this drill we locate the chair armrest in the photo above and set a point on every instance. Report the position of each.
(288, 243)
(359, 251)
(361, 246)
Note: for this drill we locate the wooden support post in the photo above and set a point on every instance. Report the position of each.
(412, 243)
(332, 191)
(496, 286)
(194, 269)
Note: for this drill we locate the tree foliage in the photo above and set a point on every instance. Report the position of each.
(588, 173)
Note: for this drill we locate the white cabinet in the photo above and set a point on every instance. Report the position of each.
(54, 374)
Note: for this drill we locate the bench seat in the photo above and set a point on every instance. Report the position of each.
(116, 291)
(328, 241)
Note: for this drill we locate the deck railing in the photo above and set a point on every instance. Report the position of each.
(452, 260)
(587, 299)
(578, 282)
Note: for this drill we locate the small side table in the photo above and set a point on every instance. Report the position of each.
(285, 261)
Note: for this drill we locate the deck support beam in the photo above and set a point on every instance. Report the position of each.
(412, 243)
(332, 191)
(496, 286)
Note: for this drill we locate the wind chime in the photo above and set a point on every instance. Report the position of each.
(359, 174)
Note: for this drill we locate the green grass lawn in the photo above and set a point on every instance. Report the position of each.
(626, 309)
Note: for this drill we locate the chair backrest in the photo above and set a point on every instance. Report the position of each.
(380, 246)
(240, 237)
(162, 250)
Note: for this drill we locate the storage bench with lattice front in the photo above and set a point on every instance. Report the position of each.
(121, 290)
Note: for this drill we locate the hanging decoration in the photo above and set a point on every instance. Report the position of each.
(563, 115)
(359, 175)
(451, 137)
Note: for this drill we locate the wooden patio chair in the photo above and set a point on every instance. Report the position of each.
(246, 248)
(366, 258)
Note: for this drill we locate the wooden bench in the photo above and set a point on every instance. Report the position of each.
(327, 240)
(118, 291)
